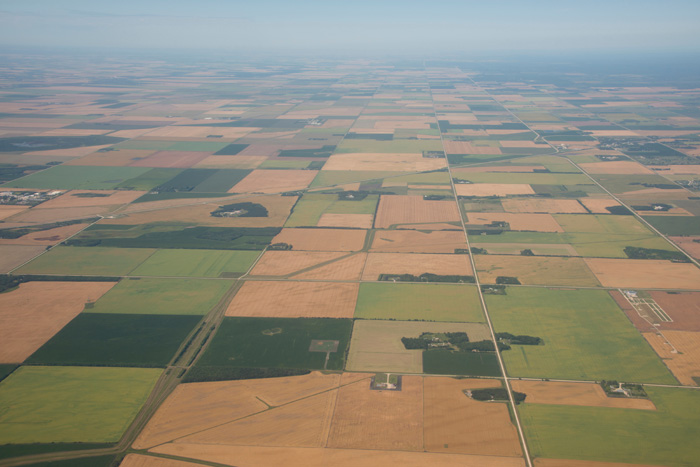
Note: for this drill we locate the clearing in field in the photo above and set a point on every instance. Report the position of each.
(195, 407)
(150, 296)
(197, 263)
(493, 189)
(603, 434)
(377, 162)
(12, 256)
(456, 423)
(535, 270)
(415, 264)
(586, 336)
(322, 239)
(376, 345)
(87, 261)
(680, 351)
(543, 205)
(289, 299)
(652, 274)
(72, 404)
(425, 302)
(414, 241)
(526, 222)
(33, 313)
(396, 210)
(387, 420)
(569, 393)
(274, 181)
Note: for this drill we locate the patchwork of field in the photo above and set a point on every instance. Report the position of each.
(409, 241)
(274, 181)
(527, 222)
(535, 270)
(415, 264)
(584, 394)
(322, 239)
(395, 211)
(95, 261)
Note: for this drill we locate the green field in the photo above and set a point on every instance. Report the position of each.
(445, 362)
(428, 302)
(675, 225)
(586, 336)
(221, 181)
(667, 436)
(311, 207)
(96, 339)
(58, 404)
(162, 296)
(527, 178)
(340, 177)
(196, 263)
(149, 180)
(395, 146)
(240, 342)
(98, 261)
(78, 177)
(607, 224)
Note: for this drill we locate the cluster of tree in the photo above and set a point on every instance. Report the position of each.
(240, 210)
(507, 280)
(496, 394)
(427, 277)
(518, 340)
(633, 252)
(479, 251)
(619, 210)
(21, 231)
(280, 246)
(527, 252)
(494, 289)
(352, 195)
(482, 346)
(8, 282)
(634, 390)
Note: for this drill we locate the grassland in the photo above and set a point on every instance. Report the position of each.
(59, 404)
(666, 436)
(341, 177)
(675, 225)
(425, 302)
(150, 296)
(98, 261)
(75, 177)
(276, 343)
(150, 179)
(586, 336)
(196, 263)
(96, 339)
(308, 211)
(445, 362)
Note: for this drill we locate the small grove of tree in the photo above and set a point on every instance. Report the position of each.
(427, 277)
(246, 210)
(280, 246)
(8, 282)
(479, 251)
(527, 252)
(496, 394)
(507, 280)
(415, 343)
(518, 340)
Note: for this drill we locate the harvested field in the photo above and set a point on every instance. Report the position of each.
(528, 222)
(388, 420)
(194, 407)
(322, 239)
(189, 132)
(493, 189)
(689, 244)
(504, 168)
(172, 159)
(274, 181)
(549, 206)
(676, 169)
(137, 460)
(585, 394)
(465, 147)
(254, 456)
(683, 308)
(12, 256)
(383, 162)
(278, 299)
(597, 205)
(45, 237)
(536, 270)
(541, 462)
(615, 167)
(538, 249)
(455, 423)
(9, 211)
(396, 210)
(32, 314)
(684, 363)
(412, 241)
(230, 162)
(416, 264)
(80, 198)
(282, 263)
(353, 221)
(652, 274)
(349, 268)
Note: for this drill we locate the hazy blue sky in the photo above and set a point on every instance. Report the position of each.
(439, 26)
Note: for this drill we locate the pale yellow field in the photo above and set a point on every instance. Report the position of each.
(322, 239)
(416, 264)
(493, 189)
(345, 269)
(685, 363)
(396, 210)
(530, 222)
(356, 221)
(274, 181)
(413, 241)
(615, 167)
(9, 211)
(383, 162)
(550, 206)
(569, 393)
(282, 263)
(535, 270)
(644, 273)
(598, 205)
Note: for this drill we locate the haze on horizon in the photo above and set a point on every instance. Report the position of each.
(363, 26)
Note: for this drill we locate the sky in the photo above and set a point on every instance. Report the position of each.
(437, 27)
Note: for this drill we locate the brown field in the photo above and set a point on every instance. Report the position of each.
(685, 363)
(535, 270)
(689, 244)
(12, 256)
(383, 162)
(9, 211)
(71, 200)
(254, 456)
(199, 211)
(676, 169)
(640, 323)
(598, 205)
(493, 189)
(585, 394)
(230, 162)
(398, 124)
(530, 222)
(539, 249)
(119, 158)
(261, 149)
(539, 462)
(71, 132)
(172, 159)
(357, 221)
(465, 147)
(39, 215)
(322, 239)
(69, 152)
(32, 314)
(346, 269)
(608, 133)
(652, 274)
(194, 407)
(683, 308)
(304, 423)
(504, 168)
(187, 132)
(455, 423)
(413, 241)
(282, 299)
(274, 181)
(433, 226)
(671, 212)
(519, 144)
(549, 206)
(388, 420)
(396, 210)
(45, 237)
(137, 460)
(282, 263)
(416, 264)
